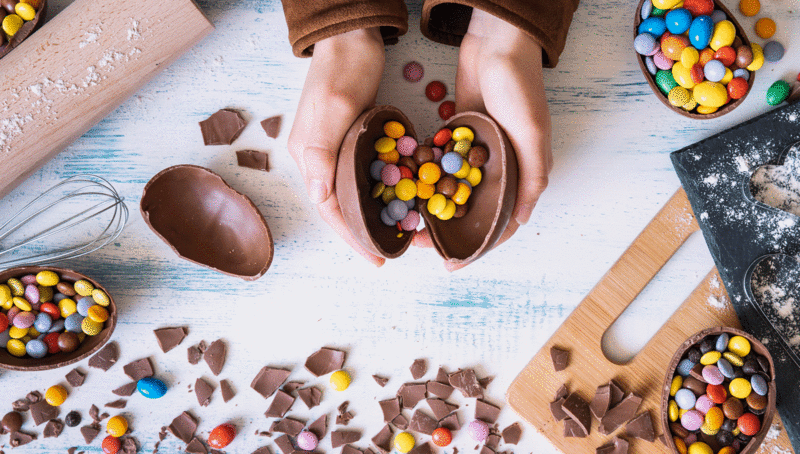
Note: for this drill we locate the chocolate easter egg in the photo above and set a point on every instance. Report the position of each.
(207, 222)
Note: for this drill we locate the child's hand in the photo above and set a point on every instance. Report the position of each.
(500, 73)
(342, 82)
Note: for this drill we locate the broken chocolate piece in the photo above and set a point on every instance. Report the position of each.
(573, 429)
(442, 376)
(617, 394)
(380, 380)
(42, 412)
(486, 450)
(616, 446)
(17, 439)
(289, 426)
(562, 392)
(227, 390)
(560, 358)
(285, 444)
(439, 389)
(89, 433)
(94, 413)
(319, 427)
(325, 361)
(485, 382)
(344, 418)
(411, 393)
(342, 437)
(293, 386)
(222, 127)
(281, 403)
(128, 446)
(390, 408)
(486, 412)
(215, 356)
(492, 441)
(383, 440)
(423, 423)
(440, 408)
(262, 450)
(419, 368)
(253, 159)
(53, 428)
(106, 357)
(196, 447)
(169, 338)
(349, 449)
(34, 396)
(125, 390)
(467, 382)
(641, 427)
(118, 404)
(21, 405)
(620, 414)
(601, 401)
(512, 434)
(401, 422)
(310, 396)
(422, 448)
(194, 354)
(138, 369)
(75, 378)
(578, 411)
(272, 126)
(268, 380)
(203, 391)
(183, 427)
(450, 422)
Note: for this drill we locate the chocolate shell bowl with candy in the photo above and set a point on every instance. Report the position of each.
(719, 394)
(19, 19)
(695, 56)
(42, 325)
(462, 183)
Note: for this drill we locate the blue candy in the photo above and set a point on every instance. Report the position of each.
(452, 162)
(684, 367)
(647, 8)
(651, 65)
(43, 322)
(57, 326)
(726, 368)
(718, 16)
(4, 338)
(714, 70)
(700, 32)
(678, 20)
(759, 385)
(411, 203)
(58, 297)
(375, 169)
(84, 304)
(722, 341)
(645, 44)
(73, 323)
(386, 218)
(151, 387)
(36, 348)
(773, 51)
(741, 72)
(685, 399)
(656, 26)
(397, 210)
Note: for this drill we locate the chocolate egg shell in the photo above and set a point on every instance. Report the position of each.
(207, 222)
(27, 28)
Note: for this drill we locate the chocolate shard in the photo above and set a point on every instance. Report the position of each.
(450, 422)
(419, 368)
(485, 382)
(390, 408)
(381, 381)
(222, 127)
(272, 126)
(383, 440)
(422, 448)
(183, 427)
(17, 439)
(21, 405)
(75, 378)
(560, 358)
(118, 404)
(203, 390)
(486, 450)
(492, 441)
(34, 396)
(89, 433)
(129, 446)
(512, 434)
(196, 447)
(227, 390)
(125, 390)
(325, 361)
(620, 414)
(578, 411)
(106, 357)
(253, 159)
(310, 396)
(169, 338)
(442, 376)
(293, 386)
(268, 380)
(641, 427)
(601, 401)
(53, 428)
(319, 427)
(342, 437)
(215, 356)
(439, 389)
(344, 418)
(411, 393)
(440, 408)
(617, 394)
(138, 369)
(486, 412)
(616, 446)
(42, 412)
(401, 422)
(94, 413)
(262, 450)
(562, 392)
(202, 346)
(194, 354)
(288, 426)
(285, 444)
(467, 382)
(420, 422)
(555, 409)
(573, 429)
(349, 449)
(281, 403)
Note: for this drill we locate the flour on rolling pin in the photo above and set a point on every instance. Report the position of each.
(79, 67)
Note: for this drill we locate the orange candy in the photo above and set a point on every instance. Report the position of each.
(673, 45)
(390, 157)
(706, 55)
(430, 173)
(717, 393)
(727, 55)
(765, 28)
(737, 88)
(749, 424)
(749, 7)
(111, 445)
(697, 74)
(221, 436)
(442, 137)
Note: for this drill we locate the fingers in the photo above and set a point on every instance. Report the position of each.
(468, 93)
(332, 214)
(422, 239)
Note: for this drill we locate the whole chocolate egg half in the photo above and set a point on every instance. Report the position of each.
(207, 222)
(459, 240)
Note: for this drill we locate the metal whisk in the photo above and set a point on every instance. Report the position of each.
(73, 218)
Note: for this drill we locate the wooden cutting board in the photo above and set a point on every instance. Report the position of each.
(582, 333)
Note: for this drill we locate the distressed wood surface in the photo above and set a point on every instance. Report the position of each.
(611, 139)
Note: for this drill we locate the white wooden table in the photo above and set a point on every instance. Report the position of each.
(611, 139)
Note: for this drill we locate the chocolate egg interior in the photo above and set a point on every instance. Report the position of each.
(353, 183)
(491, 202)
(207, 222)
(89, 345)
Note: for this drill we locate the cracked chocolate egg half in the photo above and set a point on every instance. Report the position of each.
(207, 222)
(459, 240)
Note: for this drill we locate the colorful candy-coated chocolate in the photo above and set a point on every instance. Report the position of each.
(151, 387)
(340, 380)
(111, 445)
(685, 367)
(699, 447)
(478, 430)
(692, 420)
(447, 109)
(413, 71)
(759, 385)
(699, 7)
(117, 426)
(700, 32)
(679, 96)
(442, 137)
(678, 20)
(672, 46)
(724, 34)
(665, 4)
(740, 388)
(36, 348)
(397, 210)
(703, 404)
(749, 424)
(435, 91)
(710, 94)
(673, 411)
(661, 61)
(387, 218)
(717, 393)
(765, 28)
(221, 436)
(16, 347)
(448, 212)
(55, 395)
(689, 57)
(411, 221)
(441, 436)
(712, 375)
(740, 346)
(83, 287)
(406, 145)
(655, 26)
(307, 441)
(404, 442)
(773, 51)
(463, 133)
(749, 7)
(647, 9)
(685, 399)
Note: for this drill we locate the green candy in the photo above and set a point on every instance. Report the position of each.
(658, 12)
(665, 81)
(778, 92)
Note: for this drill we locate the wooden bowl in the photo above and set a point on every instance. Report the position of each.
(88, 347)
(26, 29)
(662, 97)
(756, 347)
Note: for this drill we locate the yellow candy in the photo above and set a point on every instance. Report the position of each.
(727, 450)
(724, 34)
(390, 157)
(7, 305)
(405, 189)
(758, 57)
(678, 96)
(83, 287)
(739, 346)
(733, 358)
(714, 418)
(677, 382)
(689, 56)
(710, 358)
(683, 76)
(67, 307)
(424, 190)
(699, 447)
(736, 431)
(680, 444)
(16, 347)
(707, 430)
(430, 172)
(463, 171)
(100, 297)
(11, 24)
(394, 129)
(463, 133)
(665, 4)
(728, 76)
(462, 194)
(5, 294)
(388, 194)
(25, 11)
(673, 411)
(384, 145)
(377, 190)
(98, 313)
(462, 147)
(22, 303)
(739, 388)
(91, 327)
(436, 204)
(690, 105)
(340, 380)
(55, 395)
(710, 94)
(404, 442)
(46, 278)
(705, 110)
(16, 332)
(117, 426)
(17, 289)
(681, 413)
(32, 332)
(45, 294)
(448, 212)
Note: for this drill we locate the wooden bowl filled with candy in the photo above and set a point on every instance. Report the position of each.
(18, 19)
(51, 317)
(696, 57)
(719, 394)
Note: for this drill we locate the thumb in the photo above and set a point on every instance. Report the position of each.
(319, 172)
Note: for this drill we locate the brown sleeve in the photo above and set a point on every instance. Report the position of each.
(312, 20)
(546, 21)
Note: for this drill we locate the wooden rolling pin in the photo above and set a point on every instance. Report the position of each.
(78, 67)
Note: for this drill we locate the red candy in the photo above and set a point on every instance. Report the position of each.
(51, 310)
(446, 110)
(442, 137)
(697, 74)
(749, 424)
(717, 393)
(727, 55)
(737, 88)
(435, 91)
(221, 436)
(699, 7)
(3, 322)
(413, 71)
(52, 343)
(405, 172)
(441, 437)
(111, 445)
(706, 55)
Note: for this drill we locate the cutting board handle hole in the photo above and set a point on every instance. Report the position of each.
(656, 303)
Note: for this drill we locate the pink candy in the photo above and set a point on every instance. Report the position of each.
(390, 174)
(712, 375)
(413, 71)
(692, 420)
(662, 61)
(307, 441)
(703, 404)
(406, 145)
(479, 430)
(410, 222)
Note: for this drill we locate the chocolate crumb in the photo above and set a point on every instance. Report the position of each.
(281, 403)
(42, 412)
(34, 397)
(169, 338)
(560, 358)
(310, 396)
(344, 418)
(106, 357)
(419, 368)
(423, 423)
(89, 433)
(21, 405)
(324, 361)
(512, 434)
(285, 444)
(129, 446)
(486, 412)
(268, 380)
(183, 427)
(450, 422)
(227, 390)
(203, 390)
(222, 127)
(383, 440)
(215, 356)
(381, 381)
(138, 369)
(422, 448)
(641, 427)
(75, 378)
(253, 159)
(492, 441)
(53, 428)
(319, 427)
(119, 404)
(196, 447)
(272, 126)
(94, 413)
(202, 346)
(194, 354)
(125, 390)
(485, 382)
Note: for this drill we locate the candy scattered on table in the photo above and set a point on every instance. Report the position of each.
(446, 110)
(221, 436)
(435, 91)
(340, 380)
(413, 71)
